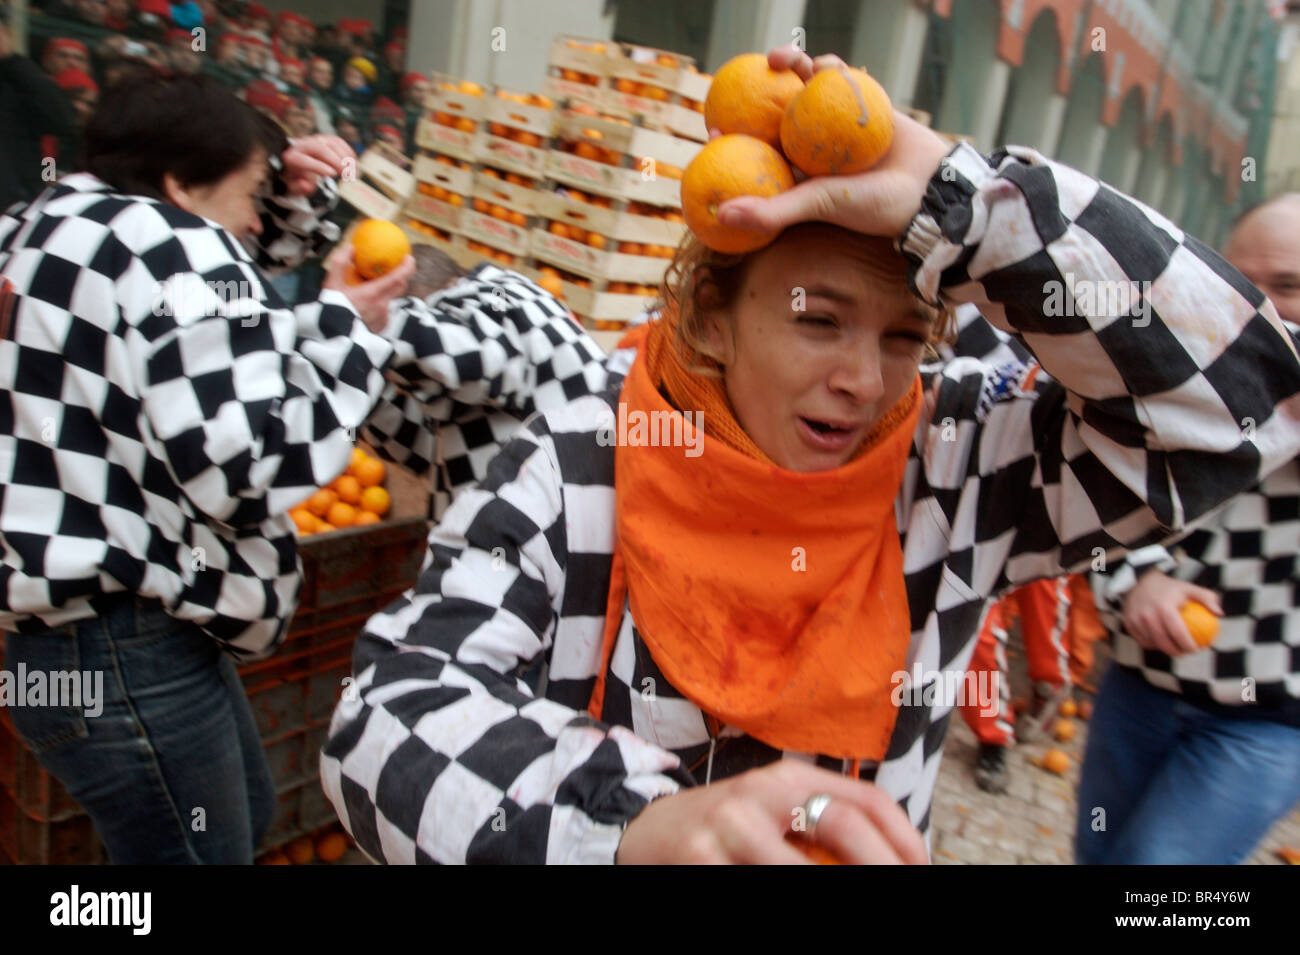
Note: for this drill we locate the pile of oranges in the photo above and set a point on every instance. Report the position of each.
(353, 499)
(463, 123)
(431, 231)
(497, 255)
(521, 136)
(513, 216)
(839, 123)
(328, 846)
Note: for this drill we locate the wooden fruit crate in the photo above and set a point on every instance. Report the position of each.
(571, 57)
(650, 161)
(517, 131)
(383, 181)
(660, 86)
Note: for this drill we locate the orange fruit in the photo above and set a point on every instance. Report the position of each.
(473, 89)
(358, 457)
(730, 166)
(331, 846)
(748, 96)
(274, 858)
(366, 517)
(324, 527)
(818, 854)
(465, 124)
(376, 500)
(840, 123)
(1067, 708)
(351, 276)
(348, 489)
(1055, 761)
(300, 851)
(1201, 622)
(342, 515)
(1064, 731)
(518, 219)
(378, 247)
(320, 502)
(553, 284)
(1085, 710)
(370, 472)
(304, 520)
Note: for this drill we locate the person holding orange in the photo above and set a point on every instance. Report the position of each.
(743, 644)
(1194, 744)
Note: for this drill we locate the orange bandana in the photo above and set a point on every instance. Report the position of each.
(772, 599)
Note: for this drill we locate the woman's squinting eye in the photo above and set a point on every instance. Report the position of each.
(820, 321)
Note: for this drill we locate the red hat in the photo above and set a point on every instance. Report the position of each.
(74, 79)
(293, 61)
(410, 79)
(65, 43)
(389, 129)
(262, 93)
(394, 45)
(385, 107)
(178, 34)
(256, 11)
(159, 8)
(252, 39)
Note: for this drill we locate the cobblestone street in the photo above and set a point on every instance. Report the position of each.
(1033, 821)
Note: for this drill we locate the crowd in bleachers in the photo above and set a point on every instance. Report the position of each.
(342, 78)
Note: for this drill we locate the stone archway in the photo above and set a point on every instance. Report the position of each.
(1032, 100)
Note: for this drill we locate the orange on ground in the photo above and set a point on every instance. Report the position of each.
(348, 489)
(378, 247)
(300, 851)
(1085, 710)
(320, 502)
(1201, 622)
(730, 166)
(370, 472)
(1055, 761)
(1067, 708)
(841, 123)
(376, 500)
(1064, 731)
(342, 515)
(748, 96)
(331, 846)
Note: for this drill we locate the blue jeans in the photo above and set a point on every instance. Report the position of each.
(1178, 785)
(172, 770)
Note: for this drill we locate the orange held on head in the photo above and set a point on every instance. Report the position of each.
(378, 247)
(748, 96)
(841, 123)
(730, 166)
(1201, 622)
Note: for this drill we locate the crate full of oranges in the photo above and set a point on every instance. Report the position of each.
(518, 128)
(576, 68)
(584, 233)
(443, 186)
(453, 110)
(355, 498)
(665, 88)
(611, 157)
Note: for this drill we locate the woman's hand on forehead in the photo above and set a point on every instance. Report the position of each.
(881, 201)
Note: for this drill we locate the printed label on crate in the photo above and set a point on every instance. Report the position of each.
(501, 235)
(652, 109)
(445, 139)
(513, 156)
(593, 173)
(434, 211)
(574, 255)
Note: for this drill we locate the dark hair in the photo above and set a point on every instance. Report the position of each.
(434, 270)
(192, 126)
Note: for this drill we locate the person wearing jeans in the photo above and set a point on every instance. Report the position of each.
(174, 742)
(1193, 753)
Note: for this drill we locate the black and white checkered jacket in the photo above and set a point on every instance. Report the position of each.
(501, 357)
(466, 737)
(1248, 552)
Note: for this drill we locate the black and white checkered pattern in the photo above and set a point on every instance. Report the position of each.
(294, 228)
(1247, 552)
(468, 739)
(500, 349)
(161, 409)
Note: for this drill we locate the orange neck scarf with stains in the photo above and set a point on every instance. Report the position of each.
(772, 599)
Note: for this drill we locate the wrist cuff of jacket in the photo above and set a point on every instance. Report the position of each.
(1125, 577)
(936, 236)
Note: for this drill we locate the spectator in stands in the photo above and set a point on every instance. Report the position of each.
(63, 53)
(414, 87)
(187, 15)
(292, 78)
(356, 88)
(299, 118)
(92, 11)
(387, 133)
(257, 56)
(348, 128)
(391, 68)
(320, 75)
(119, 55)
(257, 19)
(264, 97)
(82, 92)
(152, 19)
(117, 15)
(31, 106)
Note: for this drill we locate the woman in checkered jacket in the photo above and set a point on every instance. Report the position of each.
(160, 410)
(676, 617)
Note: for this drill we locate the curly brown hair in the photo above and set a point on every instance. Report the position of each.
(698, 278)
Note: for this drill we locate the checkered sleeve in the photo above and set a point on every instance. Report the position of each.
(1123, 572)
(494, 339)
(443, 753)
(1171, 383)
(401, 430)
(294, 228)
(250, 407)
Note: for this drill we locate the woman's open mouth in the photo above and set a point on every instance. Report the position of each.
(828, 435)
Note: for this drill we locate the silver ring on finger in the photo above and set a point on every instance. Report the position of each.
(812, 810)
